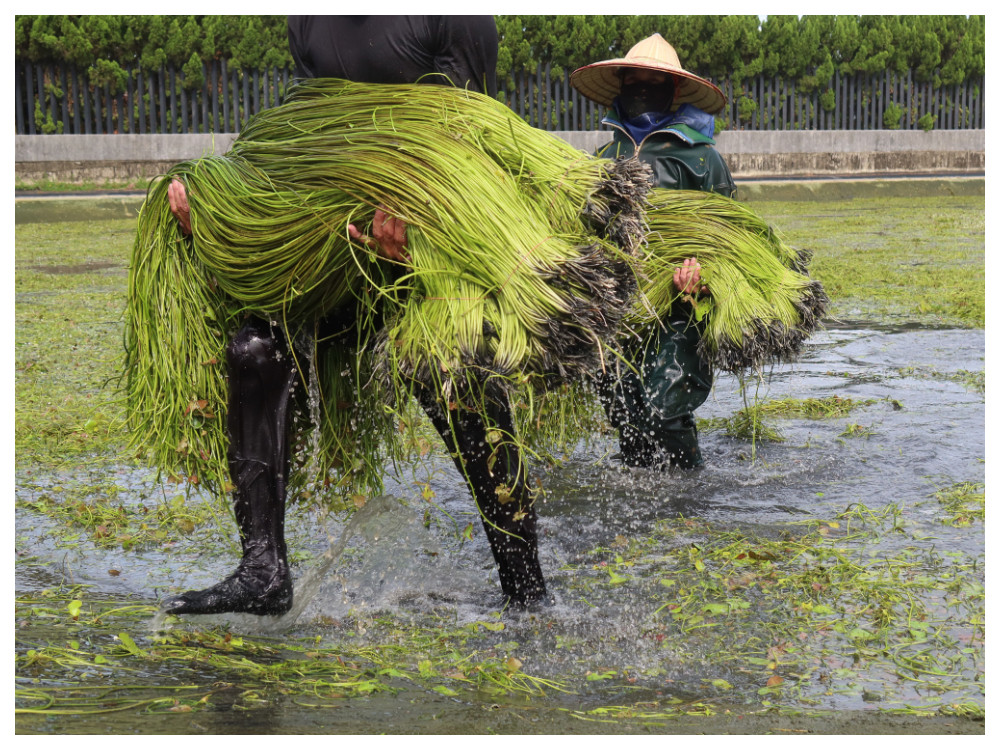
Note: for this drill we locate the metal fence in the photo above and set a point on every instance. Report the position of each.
(58, 99)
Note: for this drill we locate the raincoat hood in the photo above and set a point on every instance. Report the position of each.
(688, 123)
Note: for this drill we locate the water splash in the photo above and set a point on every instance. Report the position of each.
(393, 535)
(305, 587)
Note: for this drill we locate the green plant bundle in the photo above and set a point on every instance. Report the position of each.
(762, 303)
(520, 269)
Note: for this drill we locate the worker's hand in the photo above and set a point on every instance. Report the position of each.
(388, 236)
(177, 196)
(687, 278)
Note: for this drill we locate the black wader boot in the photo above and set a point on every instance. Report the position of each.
(498, 485)
(653, 409)
(261, 379)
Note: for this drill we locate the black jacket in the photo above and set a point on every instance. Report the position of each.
(397, 49)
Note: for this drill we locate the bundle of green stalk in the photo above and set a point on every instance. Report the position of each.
(762, 303)
(520, 267)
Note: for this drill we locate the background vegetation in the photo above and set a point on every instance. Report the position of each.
(941, 49)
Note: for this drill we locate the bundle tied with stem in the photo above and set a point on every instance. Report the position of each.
(762, 304)
(520, 269)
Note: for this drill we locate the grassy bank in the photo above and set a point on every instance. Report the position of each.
(914, 259)
(69, 282)
(81, 188)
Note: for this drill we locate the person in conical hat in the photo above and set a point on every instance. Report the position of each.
(602, 81)
(664, 115)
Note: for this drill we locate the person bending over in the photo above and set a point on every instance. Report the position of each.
(262, 378)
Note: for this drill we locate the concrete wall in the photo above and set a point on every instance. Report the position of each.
(810, 153)
(750, 154)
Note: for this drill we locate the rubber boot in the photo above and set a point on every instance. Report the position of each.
(636, 450)
(497, 480)
(262, 377)
(676, 444)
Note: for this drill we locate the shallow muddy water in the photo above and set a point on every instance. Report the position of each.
(890, 641)
(832, 582)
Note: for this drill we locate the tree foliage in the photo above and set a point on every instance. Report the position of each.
(809, 49)
(109, 45)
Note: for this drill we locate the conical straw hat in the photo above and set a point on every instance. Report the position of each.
(601, 82)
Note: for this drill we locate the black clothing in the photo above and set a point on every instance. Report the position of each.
(397, 49)
(261, 380)
(372, 49)
(497, 478)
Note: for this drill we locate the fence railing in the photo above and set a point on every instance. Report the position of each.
(58, 99)
(858, 102)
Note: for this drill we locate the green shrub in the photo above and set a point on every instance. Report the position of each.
(44, 121)
(194, 78)
(746, 108)
(893, 114)
(926, 123)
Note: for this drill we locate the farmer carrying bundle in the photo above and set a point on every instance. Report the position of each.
(719, 288)
(517, 272)
(508, 273)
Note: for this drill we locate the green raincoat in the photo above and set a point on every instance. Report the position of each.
(653, 410)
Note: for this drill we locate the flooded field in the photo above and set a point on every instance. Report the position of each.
(827, 577)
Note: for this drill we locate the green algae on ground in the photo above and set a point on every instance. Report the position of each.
(69, 295)
(785, 617)
(963, 502)
(250, 671)
(974, 381)
(922, 258)
(107, 522)
(810, 610)
(754, 421)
